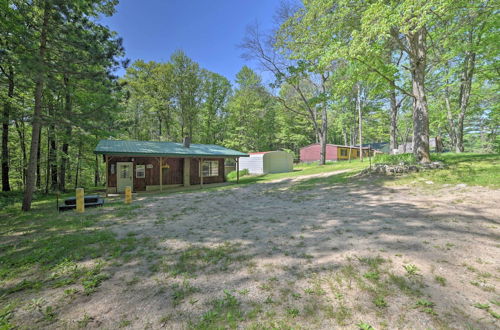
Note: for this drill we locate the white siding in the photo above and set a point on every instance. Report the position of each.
(254, 164)
(278, 162)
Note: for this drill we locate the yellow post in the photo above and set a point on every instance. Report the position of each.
(80, 205)
(128, 195)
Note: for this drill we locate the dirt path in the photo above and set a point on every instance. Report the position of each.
(285, 253)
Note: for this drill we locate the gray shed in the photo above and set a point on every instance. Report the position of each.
(267, 162)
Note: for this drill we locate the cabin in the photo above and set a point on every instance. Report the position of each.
(150, 165)
(267, 162)
(334, 152)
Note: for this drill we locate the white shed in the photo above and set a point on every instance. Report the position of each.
(267, 162)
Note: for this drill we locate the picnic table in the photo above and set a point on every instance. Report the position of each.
(90, 201)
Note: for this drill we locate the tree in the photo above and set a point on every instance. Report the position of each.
(77, 46)
(216, 93)
(360, 31)
(309, 80)
(250, 120)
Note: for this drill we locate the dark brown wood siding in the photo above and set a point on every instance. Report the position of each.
(195, 172)
(173, 174)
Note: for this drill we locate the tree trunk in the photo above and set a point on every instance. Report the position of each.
(5, 131)
(465, 88)
(47, 163)
(22, 142)
(65, 146)
(449, 116)
(417, 54)
(322, 135)
(52, 154)
(78, 160)
(38, 154)
(36, 123)
(97, 179)
(393, 144)
(360, 116)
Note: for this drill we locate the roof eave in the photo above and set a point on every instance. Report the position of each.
(118, 153)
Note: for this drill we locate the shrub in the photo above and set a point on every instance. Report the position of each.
(395, 159)
(232, 175)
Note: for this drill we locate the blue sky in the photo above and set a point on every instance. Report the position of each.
(207, 30)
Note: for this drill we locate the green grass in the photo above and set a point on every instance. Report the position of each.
(42, 249)
(305, 169)
(394, 159)
(467, 168)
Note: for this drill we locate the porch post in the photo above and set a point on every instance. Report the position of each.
(237, 169)
(187, 172)
(107, 169)
(201, 172)
(161, 173)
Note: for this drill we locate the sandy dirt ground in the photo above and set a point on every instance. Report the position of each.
(290, 253)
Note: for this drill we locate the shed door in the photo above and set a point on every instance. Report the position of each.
(125, 175)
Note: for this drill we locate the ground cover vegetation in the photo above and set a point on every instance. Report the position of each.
(339, 74)
(322, 247)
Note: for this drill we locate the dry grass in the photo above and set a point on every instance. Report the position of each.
(320, 252)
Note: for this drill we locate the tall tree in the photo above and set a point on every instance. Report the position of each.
(78, 47)
(360, 31)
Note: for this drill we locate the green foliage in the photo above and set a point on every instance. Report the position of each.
(411, 269)
(365, 326)
(463, 168)
(226, 312)
(231, 176)
(394, 159)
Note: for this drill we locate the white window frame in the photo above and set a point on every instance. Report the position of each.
(140, 171)
(213, 168)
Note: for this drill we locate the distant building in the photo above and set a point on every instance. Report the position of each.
(435, 145)
(334, 152)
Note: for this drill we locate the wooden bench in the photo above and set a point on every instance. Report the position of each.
(90, 201)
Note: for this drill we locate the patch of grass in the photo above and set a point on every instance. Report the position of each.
(426, 306)
(334, 179)
(225, 313)
(441, 280)
(305, 169)
(468, 168)
(380, 302)
(364, 326)
(411, 269)
(93, 279)
(197, 258)
(231, 176)
(181, 291)
(292, 312)
(6, 312)
(481, 306)
(404, 285)
(394, 159)
(374, 275)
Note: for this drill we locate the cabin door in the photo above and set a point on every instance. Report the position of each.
(125, 176)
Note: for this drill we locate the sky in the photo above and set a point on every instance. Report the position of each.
(208, 31)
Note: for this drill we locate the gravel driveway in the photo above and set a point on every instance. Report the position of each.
(306, 253)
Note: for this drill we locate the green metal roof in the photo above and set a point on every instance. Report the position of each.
(152, 148)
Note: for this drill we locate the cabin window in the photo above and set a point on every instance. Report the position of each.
(343, 152)
(210, 168)
(140, 171)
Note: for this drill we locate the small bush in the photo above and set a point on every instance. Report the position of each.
(232, 175)
(395, 159)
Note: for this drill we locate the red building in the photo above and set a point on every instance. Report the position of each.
(334, 152)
